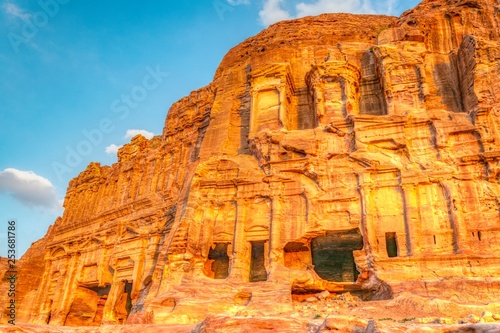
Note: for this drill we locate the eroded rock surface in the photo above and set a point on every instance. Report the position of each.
(348, 153)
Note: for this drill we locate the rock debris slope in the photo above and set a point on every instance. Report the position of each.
(348, 153)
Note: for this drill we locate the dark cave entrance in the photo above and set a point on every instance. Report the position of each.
(332, 255)
(217, 265)
(391, 244)
(257, 264)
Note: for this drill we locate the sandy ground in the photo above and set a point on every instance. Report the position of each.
(323, 313)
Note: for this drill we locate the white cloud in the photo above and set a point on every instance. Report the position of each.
(133, 132)
(112, 149)
(14, 10)
(29, 188)
(272, 12)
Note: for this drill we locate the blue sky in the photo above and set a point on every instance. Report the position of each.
(79, 78)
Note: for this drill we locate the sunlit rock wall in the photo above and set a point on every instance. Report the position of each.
(338, 152)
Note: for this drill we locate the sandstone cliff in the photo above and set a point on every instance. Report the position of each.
(340, 152)
(29, 271)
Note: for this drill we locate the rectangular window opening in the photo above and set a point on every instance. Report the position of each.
(391, 244)
(257, 264)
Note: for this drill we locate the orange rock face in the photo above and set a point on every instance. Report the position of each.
(339, 152)
(29, 273)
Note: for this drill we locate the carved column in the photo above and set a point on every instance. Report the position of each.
(239, 269)
(116, 291)
(457, 222)
(275, 250)
(139, 268)
(367, 227)
(412, 218)
(68, 291)
(41, 297)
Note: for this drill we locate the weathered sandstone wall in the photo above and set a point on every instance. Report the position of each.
(340, 152)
